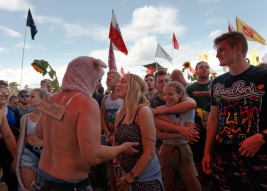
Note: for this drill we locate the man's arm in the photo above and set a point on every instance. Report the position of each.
(187, 132)
(210, 138)
(186, 105)
(251, 145)
(89, 132)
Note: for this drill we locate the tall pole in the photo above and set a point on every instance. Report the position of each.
(23, 57)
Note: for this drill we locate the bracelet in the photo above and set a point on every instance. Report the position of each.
(133, 175)
(126, 181)
(111, 134)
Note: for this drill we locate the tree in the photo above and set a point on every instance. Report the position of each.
(26, 87)
(13, 88)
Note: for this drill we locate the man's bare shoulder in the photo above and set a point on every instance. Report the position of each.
(76, 101)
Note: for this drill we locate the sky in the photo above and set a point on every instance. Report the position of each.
(68, 29)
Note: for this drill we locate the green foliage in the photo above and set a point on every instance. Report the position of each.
(47, 69)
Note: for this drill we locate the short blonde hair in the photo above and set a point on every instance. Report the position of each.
(178, 87)
(42, 92)
(115, 74)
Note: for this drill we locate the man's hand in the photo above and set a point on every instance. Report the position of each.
(206, 163)
(197, 127)
(128, 148)
(250, 146)
(190, 134)
(158, 111)
(110, 139)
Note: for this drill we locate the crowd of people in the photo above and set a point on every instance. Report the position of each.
(157, 133)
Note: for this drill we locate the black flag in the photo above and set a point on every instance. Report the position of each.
(30, 23)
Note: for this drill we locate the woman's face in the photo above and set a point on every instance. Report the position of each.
(4, 96)
(121, 88)
(171, 96)
(34, 99)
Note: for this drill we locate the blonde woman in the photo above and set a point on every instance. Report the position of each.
(27, 158)
(135, 123)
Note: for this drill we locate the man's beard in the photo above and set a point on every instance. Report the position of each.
(24, 103)
(150, 89)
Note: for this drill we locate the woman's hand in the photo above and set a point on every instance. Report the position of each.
(123, 184)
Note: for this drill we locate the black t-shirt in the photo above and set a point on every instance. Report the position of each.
(242, 105)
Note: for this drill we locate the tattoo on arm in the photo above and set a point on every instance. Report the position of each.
(150, 139)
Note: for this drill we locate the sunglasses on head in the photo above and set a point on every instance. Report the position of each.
(4, 93)
(24, 95)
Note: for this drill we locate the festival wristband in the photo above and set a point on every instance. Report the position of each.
(133, 175)
(111, 134)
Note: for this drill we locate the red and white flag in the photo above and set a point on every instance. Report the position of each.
(111, 58)
(122, 71)
(175, 42)
(115, 35)
(150, 70)
(230, 27)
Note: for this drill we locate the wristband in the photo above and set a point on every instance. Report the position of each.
(126, 181)
(133, 175)
(115, 163)
(111, 134)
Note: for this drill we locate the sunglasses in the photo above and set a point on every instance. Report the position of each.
(24, 95)
(4, 93)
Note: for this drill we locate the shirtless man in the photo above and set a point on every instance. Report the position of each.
(72, 144)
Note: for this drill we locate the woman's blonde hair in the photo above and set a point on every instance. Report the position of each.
(42, 92)
(135, 95)
(178, 87)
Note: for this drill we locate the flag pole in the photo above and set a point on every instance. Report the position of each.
(172, 54)
(23, 56)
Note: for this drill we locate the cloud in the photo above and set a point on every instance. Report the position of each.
(161, 20)
(32, 80)
(16, 5)
(216, 21)
(211, 10)
(21, 44)
(214, 34)
(208, 1)
(10, 32)
(3, 50)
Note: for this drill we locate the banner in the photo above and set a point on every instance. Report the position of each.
(162, 54)
(248, 32)
(30, 23)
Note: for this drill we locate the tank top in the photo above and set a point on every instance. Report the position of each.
(112, 107)
(30, 127)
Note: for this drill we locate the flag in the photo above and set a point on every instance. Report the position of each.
(254, 58)
(175, 42)
(162, 54)
(203, 56)
(122, 71)
(230, 27)
(264, 58)
(248, 32)
(150, 70)
(30, 23)
(111, 58)
(115, 35)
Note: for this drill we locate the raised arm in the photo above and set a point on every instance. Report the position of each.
(185, 105)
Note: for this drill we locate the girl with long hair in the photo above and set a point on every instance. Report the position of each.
(134, 122)
(29, 146)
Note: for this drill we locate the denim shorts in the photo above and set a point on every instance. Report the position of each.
(29, 160)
